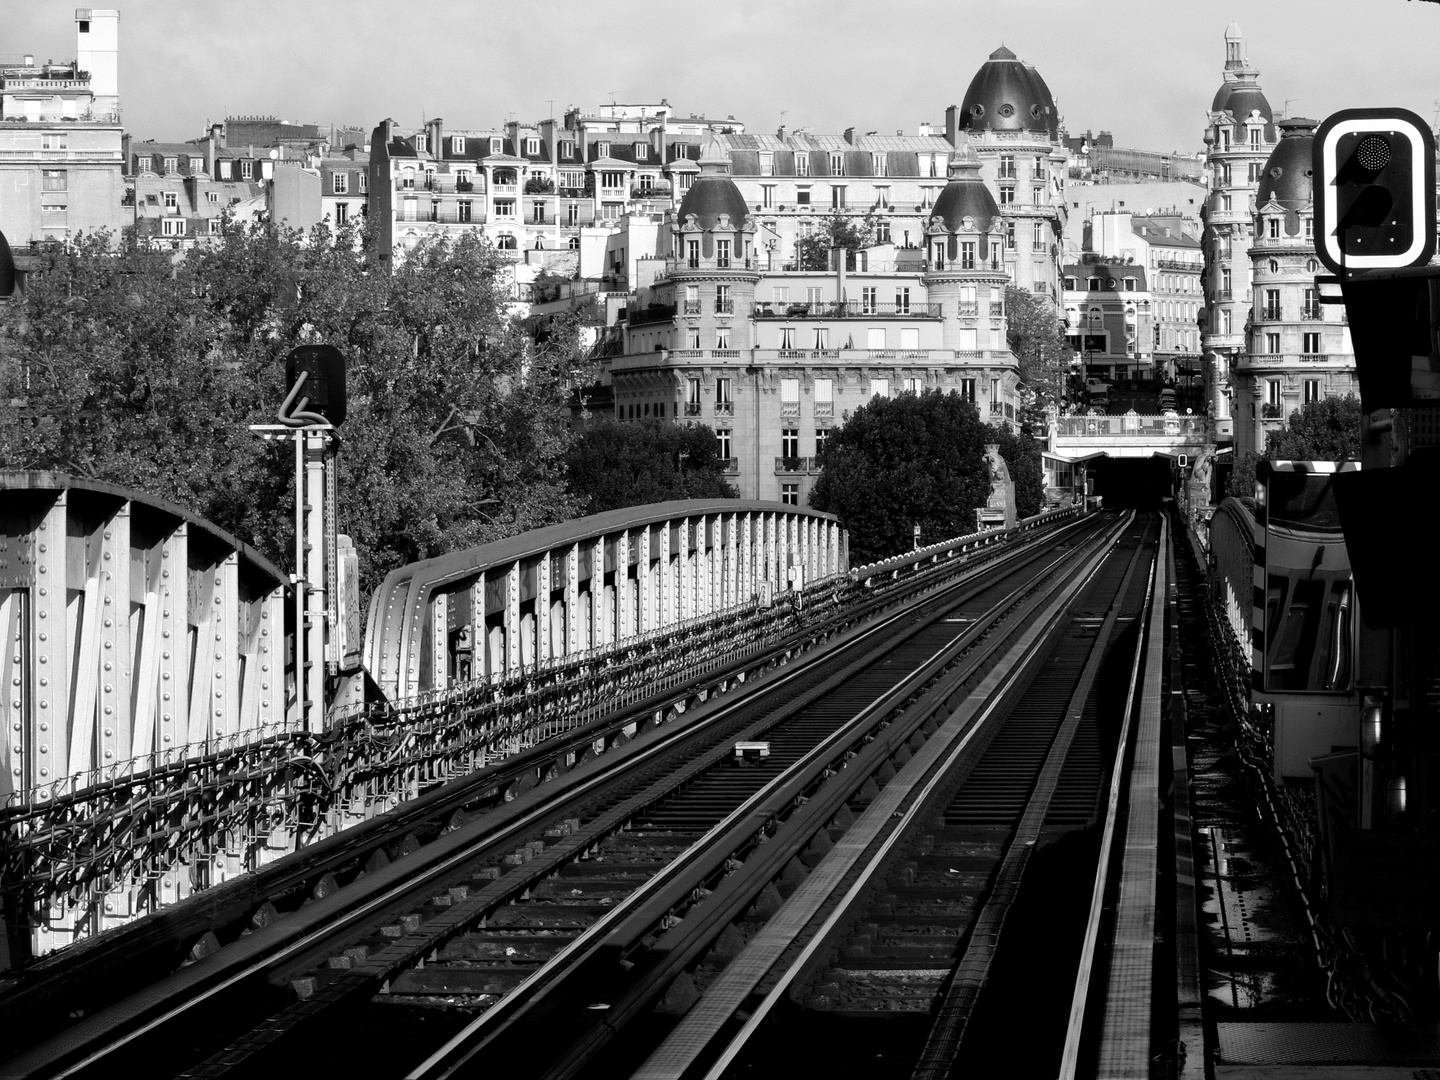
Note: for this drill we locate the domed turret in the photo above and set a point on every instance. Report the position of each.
(1288, 177)
(966, 195)
(1008, 95)
(713, 193)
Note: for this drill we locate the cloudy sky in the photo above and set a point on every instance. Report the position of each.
(1142, 69)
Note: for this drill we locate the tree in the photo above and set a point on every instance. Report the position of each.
(836, 230)
(1324, 430)
(145, 368)
(898, 462)
(1022, 457)
(613, 464)
(1036, 336)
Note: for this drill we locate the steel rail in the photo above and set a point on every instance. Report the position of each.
(284, 943)
(466, 1044)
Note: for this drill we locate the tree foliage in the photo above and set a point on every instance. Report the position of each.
(1036, 336)
(613, 464)
(836, 230)
(898, 462)
(145, 368)
(1324, 430)
(1022, 456)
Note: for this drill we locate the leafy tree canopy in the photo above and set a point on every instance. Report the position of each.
(1324, 430)
(1037, 338)
(836, 230)
(613, 464)
(145, 368)
(897, 462)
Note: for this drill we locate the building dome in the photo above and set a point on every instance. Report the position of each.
(966, 194)
(1008, 95)
(713, 193)
(1242, 97)
(1287, 176)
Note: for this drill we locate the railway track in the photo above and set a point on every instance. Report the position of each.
(411, 906)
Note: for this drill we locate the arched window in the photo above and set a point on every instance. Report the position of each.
(506, 243)
(539, 243)
(574, 243)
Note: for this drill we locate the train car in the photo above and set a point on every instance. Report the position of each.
(1281, 574)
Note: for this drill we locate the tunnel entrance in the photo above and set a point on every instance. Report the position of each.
(1132, 483)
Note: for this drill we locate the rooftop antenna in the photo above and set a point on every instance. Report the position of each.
(612, 96)
(1285, 109)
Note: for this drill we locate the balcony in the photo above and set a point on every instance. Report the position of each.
(730, 464)
(997, 310)
(1175, 264)
(967, 309)
(1313, 312)
(824, 410)
(636, 315)
(1132, 426)
(724, 408)
(1224, 294)
(692, 307)
(724, 307)
(785, 466)
(446, 215)
(679, 266)
(1270, 314)
(851, 309)
(789, 410)
(656, 191)
(1271, 411)
(692, 408)
(504, 190)
(1313, 358)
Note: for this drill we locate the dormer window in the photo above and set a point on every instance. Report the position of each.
(837, 164)
(532, 147)
(457, 144)
(420, 144)
(1255, 138)
(604, 149)
(802, 163)
(1224, 134)
(1274, 227)
(171, 165)
(878, 165)
(497, 146)
(196, 164)
(642, 151)
(567, 151)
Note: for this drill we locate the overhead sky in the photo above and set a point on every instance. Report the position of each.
(1144, 70)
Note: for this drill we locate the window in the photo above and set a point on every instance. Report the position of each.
(504, 208)
(1309, 227)
(572, 179)
(247, 170)
(722, 439)
(967, 390)
(342, 213)
(1272, 303)
(867, 299)
(722, 395)
(914, 386)
(212, 196)
(1272, 343)
(213, 226)
(1225, 138)
(910, 337)
(692, 300)
(196, 164)
(573, 243)
(802, 196)
(822, 436)
(767, 164)
(54, 180)
(464, 210)
(692, 339)
(934, 164)
(837, 164)
(532, 147)
(837, 197)
(1253, 173)
(790, 442)
(457, 144)
(790, 494)
(422, 143)
(1037, 236)
(1226, 321)
(339, 183)
(767, 195)
(967, 255)
(1093, 284)
(692, 253)
(902, 301)
(567, 151)
(723, 304)
(1312, 390)
(497, 146)
(172, 201)
(882, 231)
(537, 212)
(880, 388)
(173, 226)
(1007, 166)
(824, 392)
(875, 337)
(1225, 174)
(802, 163)
(1010, 235)
(722, 255)
(722, 337)
(1129, 284)
(822, 337)
(1225, 283)
(642, 151)
(1311, 308)
(1037, 195)
(1311, 344)
(603, 149)
(171, 165)
(1007, 194)
(1273, 231)
(812, 296)
(1272, 393)
(1254, 138)
(878, 165)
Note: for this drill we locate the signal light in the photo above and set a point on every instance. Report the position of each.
(324, 369)
(1394, 320)
(1374, 172)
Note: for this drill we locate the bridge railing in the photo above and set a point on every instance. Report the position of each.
(1131, 426)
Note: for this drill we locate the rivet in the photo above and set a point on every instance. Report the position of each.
(108, 665)
(44, 569)
(107, 534)
(43, 613)
(44, 591)
(44, 795)
(108, 622)
(44, 725)
(109, 710)
(109, 732)
(42, 547)
(107, 556)
(44, 636)
(166, 654)
(44, 748)
(109, 754)
(167, 736)
(44, 680)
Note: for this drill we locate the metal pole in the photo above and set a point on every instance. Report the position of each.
(301, 697)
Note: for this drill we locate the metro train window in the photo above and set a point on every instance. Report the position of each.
(1301, 500)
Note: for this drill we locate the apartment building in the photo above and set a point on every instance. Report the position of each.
(61, 162)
